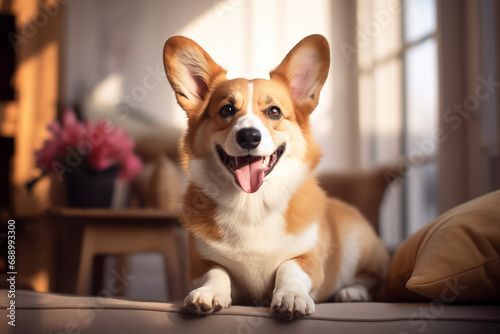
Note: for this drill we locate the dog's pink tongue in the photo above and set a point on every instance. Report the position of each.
(250, 175)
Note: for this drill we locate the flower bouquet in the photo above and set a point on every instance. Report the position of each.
(82, 153)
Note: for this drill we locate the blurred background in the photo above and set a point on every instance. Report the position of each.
(413, 88)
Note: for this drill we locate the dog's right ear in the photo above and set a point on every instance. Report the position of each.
(190, 71)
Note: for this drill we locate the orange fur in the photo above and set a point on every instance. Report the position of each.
(307, 206)
(198, 214)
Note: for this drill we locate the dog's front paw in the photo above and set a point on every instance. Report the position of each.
(291, 304)
(353, 293)
(204, 301)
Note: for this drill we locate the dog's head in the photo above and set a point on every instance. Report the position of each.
(253, 131)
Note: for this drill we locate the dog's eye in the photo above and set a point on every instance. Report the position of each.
(227, 110)
(274, 112)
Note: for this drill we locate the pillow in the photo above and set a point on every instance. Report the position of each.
(455, 258)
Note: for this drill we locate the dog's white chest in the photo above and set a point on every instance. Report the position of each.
(253, 253)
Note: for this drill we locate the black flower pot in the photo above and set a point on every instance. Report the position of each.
(88, 188)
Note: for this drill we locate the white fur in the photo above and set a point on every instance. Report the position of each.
(348, 262)
(291, 292)
(250, 99)
(353, 293)
(212, 294)
(349, 288)
(250, 120)
(252, 253)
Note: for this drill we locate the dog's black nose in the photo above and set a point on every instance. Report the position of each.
(248, 138)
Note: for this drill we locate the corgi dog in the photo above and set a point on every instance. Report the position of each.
(261, 230)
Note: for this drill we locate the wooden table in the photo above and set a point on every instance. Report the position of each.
(84, 233)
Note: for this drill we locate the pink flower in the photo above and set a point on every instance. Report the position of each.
(100, 146)
(72, 129)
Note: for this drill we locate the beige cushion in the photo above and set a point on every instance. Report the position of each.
(455, 258)
(50, 313)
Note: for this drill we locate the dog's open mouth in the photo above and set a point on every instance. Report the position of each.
(249, 170)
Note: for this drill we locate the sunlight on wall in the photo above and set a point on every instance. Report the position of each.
(37, 78)
(106, 94)
(109, 89)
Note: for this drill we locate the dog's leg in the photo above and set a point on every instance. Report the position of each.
(291, 298)
(213, 294)
(353, 293)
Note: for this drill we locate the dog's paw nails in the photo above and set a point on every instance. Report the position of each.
(276, 307)
(354, 293)
(203, 301)
(292, 305)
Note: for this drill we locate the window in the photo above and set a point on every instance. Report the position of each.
(398, 106)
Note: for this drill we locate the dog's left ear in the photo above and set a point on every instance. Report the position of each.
(305, 69)
(190, 71)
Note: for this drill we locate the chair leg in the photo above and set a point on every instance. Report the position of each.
(86, 258)
(181, 237)
(173, 264)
